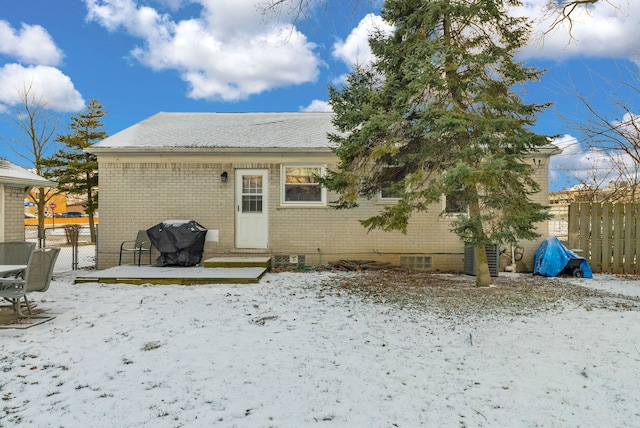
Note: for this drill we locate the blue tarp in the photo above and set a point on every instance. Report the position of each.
(552, 257)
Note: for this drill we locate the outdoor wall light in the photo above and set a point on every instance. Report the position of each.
(538, 163)
(224, 176)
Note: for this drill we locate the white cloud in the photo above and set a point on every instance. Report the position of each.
(572, 164)
(607, 29)
(227, 53)
(31, 44)
(55, 88)
(577, 165)
(569, 145)
(355, 49)
(629, 126)
(317, 106)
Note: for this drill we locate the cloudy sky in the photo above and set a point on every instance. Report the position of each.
(141, 57)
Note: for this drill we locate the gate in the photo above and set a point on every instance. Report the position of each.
(76, 249)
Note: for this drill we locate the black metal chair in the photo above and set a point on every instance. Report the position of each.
(138, 246)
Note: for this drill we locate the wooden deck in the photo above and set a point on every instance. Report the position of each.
(223, 270)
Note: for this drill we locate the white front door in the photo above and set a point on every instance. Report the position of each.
(252, 226)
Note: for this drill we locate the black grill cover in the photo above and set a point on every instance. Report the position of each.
(181, 243)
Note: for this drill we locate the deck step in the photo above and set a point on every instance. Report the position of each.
(237, 262)
(133, 274)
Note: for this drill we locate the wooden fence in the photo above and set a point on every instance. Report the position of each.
(607, 234)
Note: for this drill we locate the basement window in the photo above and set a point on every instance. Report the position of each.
(416, 262)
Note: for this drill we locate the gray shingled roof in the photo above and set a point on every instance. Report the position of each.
(13, 174)
(224, 130)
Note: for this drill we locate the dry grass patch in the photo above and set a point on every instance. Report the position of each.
(456, 294)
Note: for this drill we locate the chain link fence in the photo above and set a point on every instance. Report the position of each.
(76, 249)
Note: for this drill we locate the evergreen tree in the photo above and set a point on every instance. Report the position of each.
(75, 170)
(438, 114)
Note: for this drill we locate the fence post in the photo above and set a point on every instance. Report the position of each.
(585, 229)
(596, 238)
(629, 232)
(607, 230)
(574, 226)
(74, 247)
(618, 238)
(636, 217)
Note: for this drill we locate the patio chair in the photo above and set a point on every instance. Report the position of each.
(15, 253)
(140, 245)
(37, 277)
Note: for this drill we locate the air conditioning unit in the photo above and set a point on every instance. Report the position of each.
(493, 258)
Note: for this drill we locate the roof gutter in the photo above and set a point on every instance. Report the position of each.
(25, 182)
(545, 151)
(200, 150)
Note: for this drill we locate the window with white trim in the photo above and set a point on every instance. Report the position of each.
(453, 205)
(300, 187)
(387, 195)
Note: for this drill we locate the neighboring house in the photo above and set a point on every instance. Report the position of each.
(15, 183)
(63, 203)
(249, 177)
(559, 202)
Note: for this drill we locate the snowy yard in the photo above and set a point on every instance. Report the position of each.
(286, 353)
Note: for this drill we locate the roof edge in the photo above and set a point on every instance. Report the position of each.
(131, 150)
(28, 183)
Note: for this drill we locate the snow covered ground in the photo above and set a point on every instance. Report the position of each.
(284, 354)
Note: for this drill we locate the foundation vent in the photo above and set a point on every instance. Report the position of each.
(286, 260)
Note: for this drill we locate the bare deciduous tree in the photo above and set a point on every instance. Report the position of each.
(611, 133)
(39, 125)
(606, 178)
(298, 9)
(564, 11)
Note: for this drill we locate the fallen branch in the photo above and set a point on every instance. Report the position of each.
(357, 265)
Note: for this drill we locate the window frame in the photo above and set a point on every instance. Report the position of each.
(387, 199)
(451, 214)
(283, 183)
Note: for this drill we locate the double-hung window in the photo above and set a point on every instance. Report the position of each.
(300, 186)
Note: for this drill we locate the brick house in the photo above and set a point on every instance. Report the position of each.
(15, 183)
(248, 178)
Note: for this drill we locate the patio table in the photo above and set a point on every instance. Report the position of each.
(11, 269)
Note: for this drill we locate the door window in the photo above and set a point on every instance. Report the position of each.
(251, 193)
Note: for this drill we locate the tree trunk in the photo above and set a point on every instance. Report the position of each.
(40, 204)
(92, 227)
(91, 206)
(483, 275)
